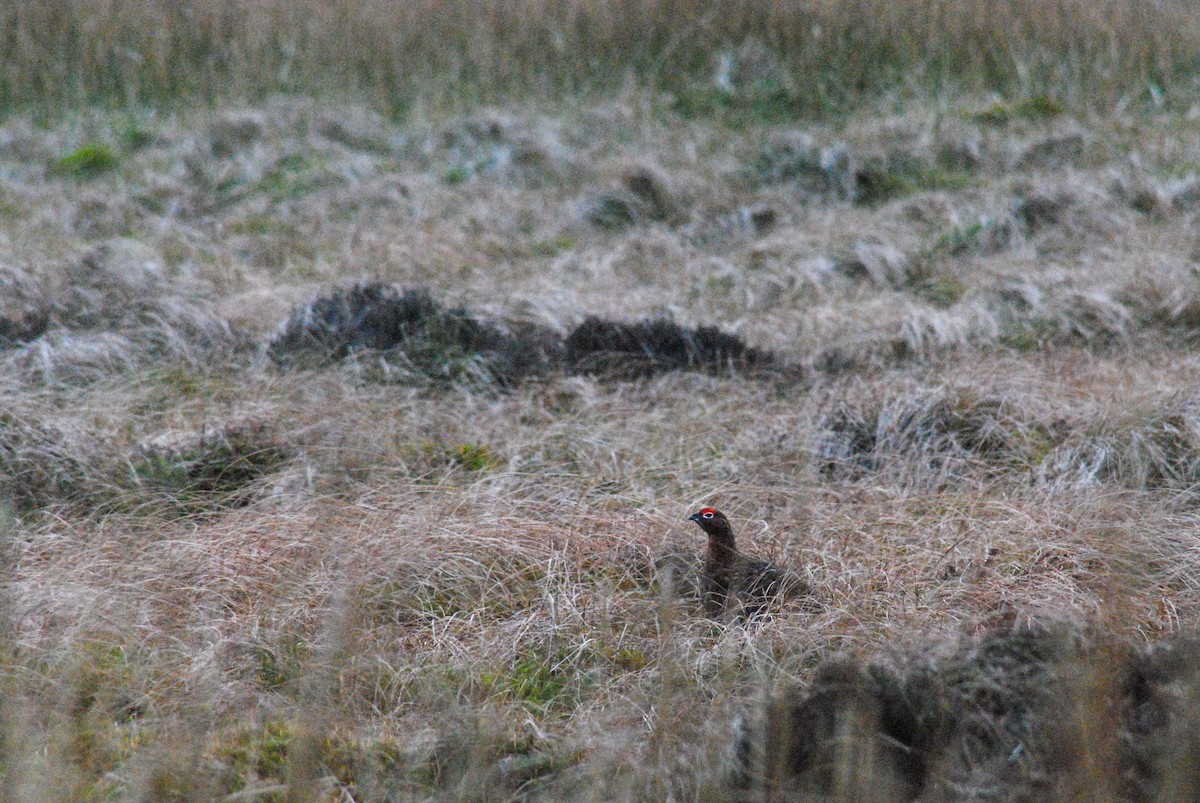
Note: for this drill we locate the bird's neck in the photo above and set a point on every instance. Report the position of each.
(719, 566)
(722, 552)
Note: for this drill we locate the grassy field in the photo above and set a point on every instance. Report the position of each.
(829, 55)
(328, 473)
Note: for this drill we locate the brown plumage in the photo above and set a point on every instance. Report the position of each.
(733, 581)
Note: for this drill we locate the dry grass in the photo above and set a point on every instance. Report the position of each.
(395, 573)
(768, 57)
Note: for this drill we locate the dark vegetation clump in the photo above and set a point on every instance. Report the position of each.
(644, 348)
(795, 158)
(1016, 714)
(41, 464)
(25, 309)
(727, 228)
(947, 433)
(1158, 451)
(651, 194)
(643, 197)
(113, 310)
(490, 144)
(414, 332)
(1042, 207)
(832, 172)
(231, 133)
(1053, 152)
(18, 330)
(884, 177)
(220, 467)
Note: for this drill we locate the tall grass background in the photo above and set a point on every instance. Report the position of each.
(449, 52)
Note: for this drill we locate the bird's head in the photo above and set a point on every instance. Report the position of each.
(712, 521)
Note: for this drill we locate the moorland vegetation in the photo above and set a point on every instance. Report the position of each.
(360, 364)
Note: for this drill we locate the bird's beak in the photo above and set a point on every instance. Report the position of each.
(694, 517)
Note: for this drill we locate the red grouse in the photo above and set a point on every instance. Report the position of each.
(731, 581)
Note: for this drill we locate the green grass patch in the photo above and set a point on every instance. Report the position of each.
(963, 239)
(86, 162)
(231, 188)
(940, 290)
(443, 594)
(547, 680)
(256, 753)
(720, 285)
(553, 246)
(766, 102)
(468, 169)
(1028, 334)
(878, 184)
(435, 457)
(627, 659)
(1185, 168)
(135, 137)
(456, 55)
(291, 176)
(181, 381)
(473, 457)
(1036, 107)
(151, 203)
(948, 180)
(456, 175)
(101, 730)
(248, 757)
(262, 225)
